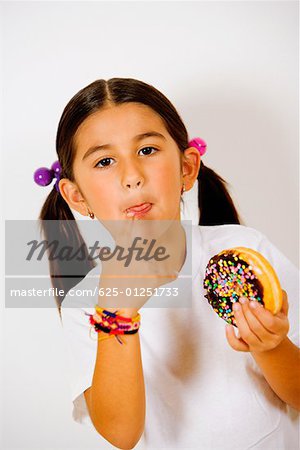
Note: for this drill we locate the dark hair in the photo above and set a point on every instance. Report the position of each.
(215, 204)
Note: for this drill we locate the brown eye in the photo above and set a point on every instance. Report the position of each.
(104, 162)
(147, 149)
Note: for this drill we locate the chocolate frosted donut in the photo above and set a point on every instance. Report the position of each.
(240, 272)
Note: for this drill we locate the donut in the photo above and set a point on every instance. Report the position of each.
(240, 272)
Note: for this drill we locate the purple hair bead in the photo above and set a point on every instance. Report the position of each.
(56, 167)
(43, 176)
(199, 144)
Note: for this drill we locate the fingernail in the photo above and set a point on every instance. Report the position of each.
(236, 306)
(253, 304)
(243, 300)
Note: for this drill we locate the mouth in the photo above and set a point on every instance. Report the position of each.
(138, 210)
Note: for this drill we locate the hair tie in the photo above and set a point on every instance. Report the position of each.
(44, 176)
(199, 144)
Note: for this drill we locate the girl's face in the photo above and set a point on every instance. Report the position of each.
(126, 157)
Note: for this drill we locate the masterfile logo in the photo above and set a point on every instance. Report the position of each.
(138, 256)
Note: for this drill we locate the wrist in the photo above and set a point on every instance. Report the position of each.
(124, 312)
(269, 352)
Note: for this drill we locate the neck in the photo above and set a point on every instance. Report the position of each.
(167, 234)
(174, 240)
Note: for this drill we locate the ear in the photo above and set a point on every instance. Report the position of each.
(72, 195)
(190, 166)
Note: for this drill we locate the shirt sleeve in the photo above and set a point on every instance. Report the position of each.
(288, 275)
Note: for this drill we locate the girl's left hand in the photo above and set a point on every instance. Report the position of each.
(259, 329)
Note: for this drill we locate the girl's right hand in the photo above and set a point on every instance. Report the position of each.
(129, 287)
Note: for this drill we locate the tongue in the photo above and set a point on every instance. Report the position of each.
(140, 208)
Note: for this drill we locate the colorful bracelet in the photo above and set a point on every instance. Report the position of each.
(113, 324)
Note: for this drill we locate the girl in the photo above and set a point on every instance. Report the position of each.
(183, 379)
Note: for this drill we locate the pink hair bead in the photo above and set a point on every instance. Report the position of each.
(199, 144)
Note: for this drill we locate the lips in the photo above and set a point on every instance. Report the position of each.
(138, 211)
(139, 208)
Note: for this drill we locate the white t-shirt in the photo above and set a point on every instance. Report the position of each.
(200, 393)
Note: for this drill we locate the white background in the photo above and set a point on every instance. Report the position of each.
(230, 69)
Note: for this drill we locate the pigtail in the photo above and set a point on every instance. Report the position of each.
(215, 204)
(58, 224)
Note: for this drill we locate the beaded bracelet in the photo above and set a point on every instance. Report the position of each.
(113, 324)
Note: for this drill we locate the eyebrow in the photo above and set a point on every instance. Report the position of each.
(137, 138)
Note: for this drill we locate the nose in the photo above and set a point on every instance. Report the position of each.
(133, 178)
(134, 184)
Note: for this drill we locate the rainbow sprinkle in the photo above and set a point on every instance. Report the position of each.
(227, 278)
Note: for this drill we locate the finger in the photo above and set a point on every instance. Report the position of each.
(285, 303)
(233, 341)
(254, 323)
(273, 324)
(247, 335)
